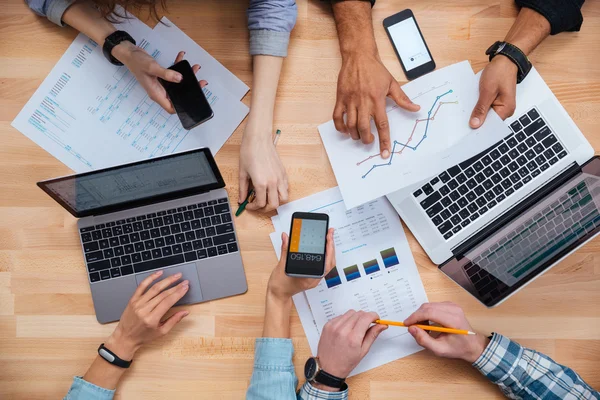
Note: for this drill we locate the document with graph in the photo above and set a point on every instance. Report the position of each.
(90, 114)
(375, 271)
(423, 143)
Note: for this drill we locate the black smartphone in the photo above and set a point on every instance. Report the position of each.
(306, 249)
(187, 97)
(409, 44)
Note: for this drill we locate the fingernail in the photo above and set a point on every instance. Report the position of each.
(158, 273)
(183, 53)
(475, 121)
(385, 154)
(178, 77)
(178, 275)
(185, 314)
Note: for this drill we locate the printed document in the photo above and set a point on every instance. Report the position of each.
(423, 143)
(91, 114)
(375, 271)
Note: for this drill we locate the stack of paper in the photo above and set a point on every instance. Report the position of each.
(90, 114)
(375, 272)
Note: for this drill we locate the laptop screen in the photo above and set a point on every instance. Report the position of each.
(531, 242)
(136, 184)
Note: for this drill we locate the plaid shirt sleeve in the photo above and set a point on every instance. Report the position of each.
(308, 392)
(523, 373)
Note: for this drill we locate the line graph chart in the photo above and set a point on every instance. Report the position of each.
(420, 140)
(407, 145)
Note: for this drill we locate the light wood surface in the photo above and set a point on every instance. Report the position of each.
(48, 331)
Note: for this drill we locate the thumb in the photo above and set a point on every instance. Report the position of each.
(486, 98)
(398, 95)
(172, 321)
(284, 246)
(370, 336)
(424, 340)
(243, 193)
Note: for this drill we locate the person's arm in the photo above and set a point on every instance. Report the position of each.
(85, 17)
(142, 322)
(563, 15)
(363, 82)
(273, 376)
(270, 23)
(519, 372)
(498, 84)
(522, 373)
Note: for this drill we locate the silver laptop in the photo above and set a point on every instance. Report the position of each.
(501, 218)
(170, 213)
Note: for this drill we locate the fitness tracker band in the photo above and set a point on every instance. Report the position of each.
(314, 373)
(514, 54)
(113, 40)
(112, 358)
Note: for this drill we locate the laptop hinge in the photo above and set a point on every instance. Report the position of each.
(517, 210)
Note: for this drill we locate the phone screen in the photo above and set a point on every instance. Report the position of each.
(306, 252)
(409, 43)
(187, 97)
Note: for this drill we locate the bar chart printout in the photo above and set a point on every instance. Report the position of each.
(361, 234)
(371, 267)
(332, 279)
(351, 273)
(389, 257)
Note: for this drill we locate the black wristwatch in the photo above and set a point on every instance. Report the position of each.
(514, 54)
(112, 358)
(111, 41)
(314, 373)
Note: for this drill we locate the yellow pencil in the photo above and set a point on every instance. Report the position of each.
(427, 327)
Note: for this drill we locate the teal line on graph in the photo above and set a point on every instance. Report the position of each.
(405, 145)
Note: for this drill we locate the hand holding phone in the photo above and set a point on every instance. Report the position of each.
(409, 44)
(187, 96)
(307, 243)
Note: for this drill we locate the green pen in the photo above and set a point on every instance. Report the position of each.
(252, 194)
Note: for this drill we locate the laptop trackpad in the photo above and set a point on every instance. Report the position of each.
(189, 272)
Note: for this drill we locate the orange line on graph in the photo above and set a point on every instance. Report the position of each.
(413, 131)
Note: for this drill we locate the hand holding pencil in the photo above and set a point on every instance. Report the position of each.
(448, 344)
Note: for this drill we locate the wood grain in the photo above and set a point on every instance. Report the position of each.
(48, 332)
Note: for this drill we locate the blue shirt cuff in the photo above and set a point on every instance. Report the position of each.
(309, 392)
(273, 354)
(56, 9)
(83, 390)
(269, 43)
(500, 356)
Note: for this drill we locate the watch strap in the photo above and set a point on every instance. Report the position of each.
(112, 358)
(514, 54)
(113, 40)
(327, 379)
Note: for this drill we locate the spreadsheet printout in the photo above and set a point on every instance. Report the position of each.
(91, 114)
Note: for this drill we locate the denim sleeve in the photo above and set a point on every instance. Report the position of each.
(523, 373)
(273, 377)
(563, 15)
(270, 23)
(53, 9)
(82, 390)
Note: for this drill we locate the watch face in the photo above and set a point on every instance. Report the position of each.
(310, 369)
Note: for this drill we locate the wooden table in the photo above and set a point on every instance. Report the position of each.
(48, 331)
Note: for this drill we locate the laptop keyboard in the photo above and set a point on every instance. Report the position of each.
(462, 194)
(569, 218)
(157, 240)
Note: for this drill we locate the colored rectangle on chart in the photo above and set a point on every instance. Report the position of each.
(332, 279)
(295, 237)
(371, 266)
(389, 257)
(351, 273)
